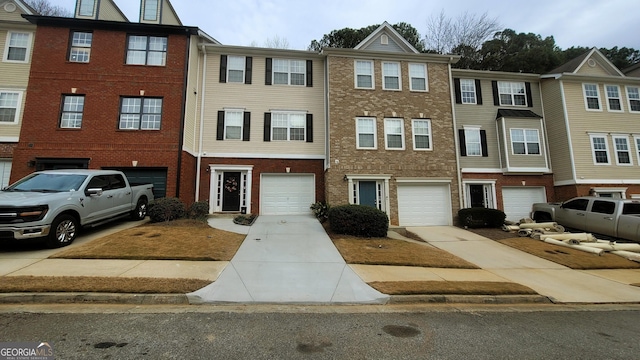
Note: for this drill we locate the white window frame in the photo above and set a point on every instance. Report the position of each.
(382, 189)
(618, 150)
(374, 133)
(591, 96)
(387, 133)
(289, 71)
(593, 149)
(415, 134)
(27, 47)
(229, 115)
(488, 189)
(468, 86)
(609, 98)
(358, 73)
(467, 142)
(18, 106)
(290, 127)
(72, 108)
(525, 141)
(83, 47)
(636, 97)
(241, 68)
(385, 75)
(412, 75)
(513, 91)
(636, 142)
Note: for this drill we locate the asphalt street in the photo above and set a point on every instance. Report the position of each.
(350, 332)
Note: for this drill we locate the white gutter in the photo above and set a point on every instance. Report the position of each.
(202, 102)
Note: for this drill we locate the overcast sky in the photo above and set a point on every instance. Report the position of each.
(599, 23)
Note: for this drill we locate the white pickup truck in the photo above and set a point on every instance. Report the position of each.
(618, 218)
(54, 204)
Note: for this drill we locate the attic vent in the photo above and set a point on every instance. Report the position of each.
(591, 63)
(10, 7)
(384, 40)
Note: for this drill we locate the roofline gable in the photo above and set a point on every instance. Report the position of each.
(386, 26)
(26, 8)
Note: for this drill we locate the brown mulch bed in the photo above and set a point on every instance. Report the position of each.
(450, 288)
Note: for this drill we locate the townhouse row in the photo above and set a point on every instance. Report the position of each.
(271, 131)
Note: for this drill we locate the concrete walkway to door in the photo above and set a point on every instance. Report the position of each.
(288, 259)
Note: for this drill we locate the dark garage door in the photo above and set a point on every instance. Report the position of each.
(155, 176)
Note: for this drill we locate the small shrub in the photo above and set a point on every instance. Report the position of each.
(166, 209)
(321, 210)
(245, 219)
(481, 217)
(358, 220)
(199, 210)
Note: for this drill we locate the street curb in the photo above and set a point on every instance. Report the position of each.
(469, 299)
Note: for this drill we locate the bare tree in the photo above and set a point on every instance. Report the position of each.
(467, 30)
(44, 7)
(277, 42)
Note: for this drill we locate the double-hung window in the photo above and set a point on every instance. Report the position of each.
(525, 141)
(512, 93)
(613, 98)
(366, 133)
(9, 102)
(80, 46)
(394, 134)
(233, 122)
(147, 50)
(289, 72)
(421, 134)
(623, 152)
(72, 109)
(364, 74)
(591, 96)
(17, 48)
(288, 126)
(633, 98)
(140, 113)
(391, 76)
(468, 91)
(418, 77)
(600, 149)
(473, 141)
(235, 69)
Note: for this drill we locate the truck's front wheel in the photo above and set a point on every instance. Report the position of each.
(140, 211)
(63, 231)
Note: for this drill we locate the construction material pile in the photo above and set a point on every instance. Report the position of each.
(553, 233)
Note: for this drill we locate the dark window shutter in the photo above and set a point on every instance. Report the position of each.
(309, 73)
(463, 144)
(527, 87)
(456, 85)
(496, 96)
(267, 126)
(309, 127)
(246, 126)
(223, 68)
(247, 69)
(268, 72)
(478, 93)
(220, 131)
(483, 143)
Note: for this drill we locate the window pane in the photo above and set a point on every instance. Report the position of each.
(418, 84)
(279, 134)
(137, 43)
(394, 141)
(365, 81)
(86, 7)
(150, 10)
(518, 148)
(366, 140)
(17, 54)
(129, 121)
(157, 58)
(280, 78)
(422, 142)
(157, 43)
(83, 39)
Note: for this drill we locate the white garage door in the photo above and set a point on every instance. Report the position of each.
(286, 194)
(5, 171)
(518, 200)
(424, 205)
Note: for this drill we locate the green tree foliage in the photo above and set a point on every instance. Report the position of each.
(348, 38)
(623, 57)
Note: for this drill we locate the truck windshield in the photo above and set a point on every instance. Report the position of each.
(49, 183)
(631, 209)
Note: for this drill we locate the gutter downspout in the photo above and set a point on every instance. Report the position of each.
(202, 97)
(456, 140)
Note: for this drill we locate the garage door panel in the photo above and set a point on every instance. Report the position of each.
(424, 205)
(286, 194)
(517, 201)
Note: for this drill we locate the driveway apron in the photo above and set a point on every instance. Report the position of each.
(288, 259)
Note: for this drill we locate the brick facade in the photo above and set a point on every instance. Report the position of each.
(103, 81)
(501, 181)
(6, 150)
(346, 103)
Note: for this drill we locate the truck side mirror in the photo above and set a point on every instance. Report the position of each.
(93, 192)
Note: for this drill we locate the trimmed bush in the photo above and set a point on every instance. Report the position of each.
(481, 218)
(166, 209)
(199, 210)
(321, 210)
(358, 220)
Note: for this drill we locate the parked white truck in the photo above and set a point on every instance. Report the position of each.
(618, 218)
(54, 204)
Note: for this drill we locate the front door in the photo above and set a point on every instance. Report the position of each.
(231, 191)
(368, 193)
(476, 193)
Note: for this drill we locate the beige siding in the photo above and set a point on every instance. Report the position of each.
(517, 160)
(14, 73)
(556, 130)
(109, 11)
(192, 113)
(14, 16)
(168, 16)
(12, 130)
(598, 69)
(258, 98)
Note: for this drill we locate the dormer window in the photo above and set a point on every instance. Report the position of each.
(150, 10)
(86, 7)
